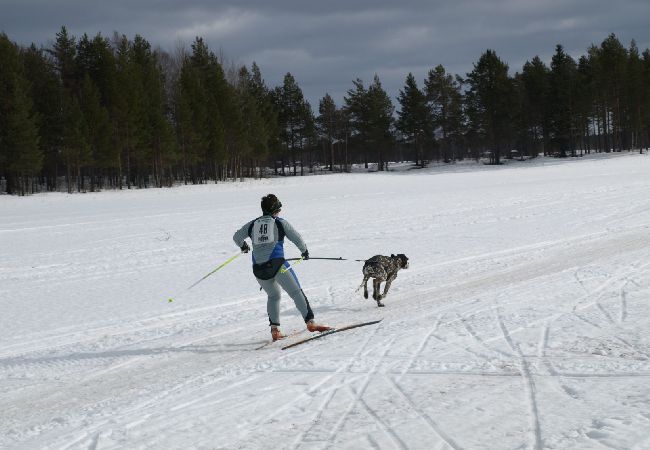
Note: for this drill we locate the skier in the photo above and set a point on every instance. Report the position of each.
(267, 235)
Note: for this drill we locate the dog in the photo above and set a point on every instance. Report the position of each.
(382, 268)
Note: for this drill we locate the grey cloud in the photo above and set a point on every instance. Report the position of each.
(326, 45)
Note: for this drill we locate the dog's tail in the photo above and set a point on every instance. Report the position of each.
(365, 280)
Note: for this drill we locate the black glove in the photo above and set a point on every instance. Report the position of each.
(245, 248)
(305, 255)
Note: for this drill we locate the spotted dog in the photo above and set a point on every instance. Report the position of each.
(382, 268)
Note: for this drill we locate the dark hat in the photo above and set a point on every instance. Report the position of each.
(270, 204)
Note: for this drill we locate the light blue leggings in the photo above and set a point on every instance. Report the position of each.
(289, 282)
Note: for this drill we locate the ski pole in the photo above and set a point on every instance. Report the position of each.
(299, 260)
(331, 259)
(228, 261)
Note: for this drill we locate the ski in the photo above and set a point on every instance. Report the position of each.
(332, 331)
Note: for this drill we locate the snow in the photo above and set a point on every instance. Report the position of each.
(522, 322)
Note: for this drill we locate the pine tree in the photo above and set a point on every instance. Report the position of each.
(46, 92)
(95, 58)
(76, 151)
(104, 154)
(292, 118)
(490, 102)
(370, 113)
(615, 59)
(380, 115)
(254, 138)
(104, 104)
(592, 65)
(414, 117)
(21, 158)
(25, 158)
(521, 129)
(445, 100)
(269, 114)
(328, 125)
(562, 100)
(584, 110)
(634, 96)
(309, 137)
(208, 118)
(257, 117)
(357, 111)
(190, 115)
(9, 66)
(234, 128)
(144, 105)
(64, 53)
(159, 148)
(535, 107)
(610, 63)
(345, 130)
(129, 112)
(645, 102)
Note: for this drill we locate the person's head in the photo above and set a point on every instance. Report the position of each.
(270, 205)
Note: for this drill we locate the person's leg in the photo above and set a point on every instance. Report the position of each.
(273, 292)
(289, 282)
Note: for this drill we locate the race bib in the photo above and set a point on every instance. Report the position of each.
(263, 231)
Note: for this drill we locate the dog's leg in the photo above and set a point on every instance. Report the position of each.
(365, 286)
(376, 288)
(388, 283)
(377, 292)
(379, 296)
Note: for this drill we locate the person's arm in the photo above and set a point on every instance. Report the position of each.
(240, 235)
(294, 236)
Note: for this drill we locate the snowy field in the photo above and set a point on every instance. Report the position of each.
(522, 322)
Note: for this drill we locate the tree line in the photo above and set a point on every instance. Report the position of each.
(97, 113)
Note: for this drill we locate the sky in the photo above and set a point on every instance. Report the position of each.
(325, 45)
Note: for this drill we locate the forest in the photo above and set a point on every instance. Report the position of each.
(94, 113)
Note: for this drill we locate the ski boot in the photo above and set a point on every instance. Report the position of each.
(276, 333)
(313, 326)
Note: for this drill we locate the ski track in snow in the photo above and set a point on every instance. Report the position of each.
(529, 384)
(523, 321)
